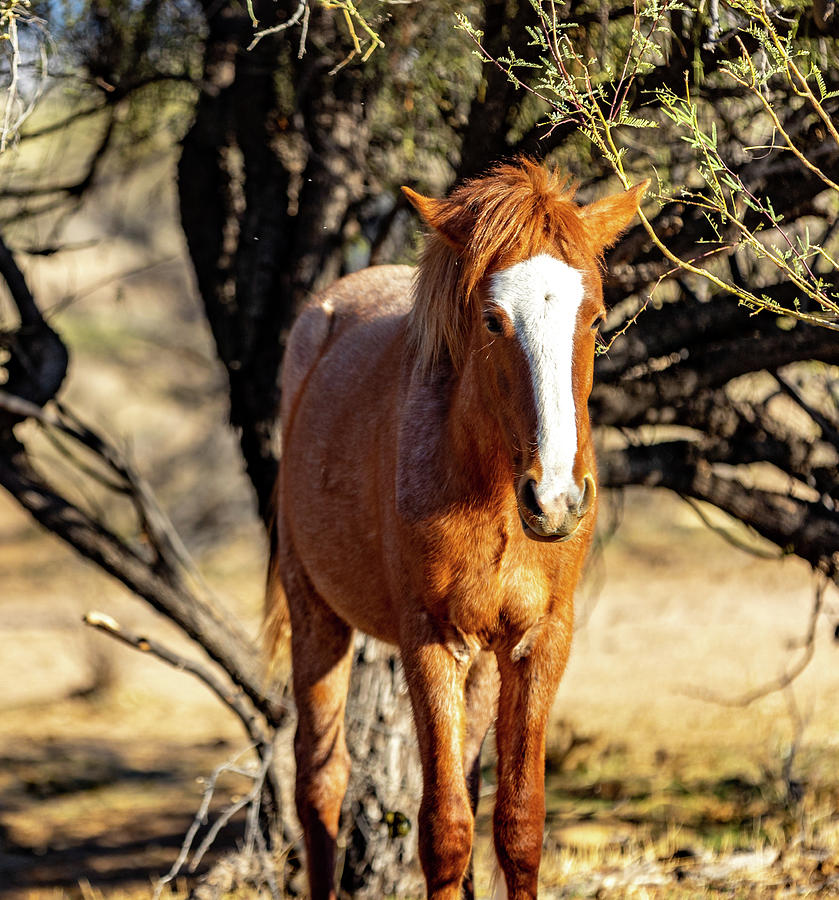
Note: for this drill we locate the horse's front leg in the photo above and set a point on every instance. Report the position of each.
(436, 679)
(529, 678)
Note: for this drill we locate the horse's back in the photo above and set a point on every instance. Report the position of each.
(363, 298)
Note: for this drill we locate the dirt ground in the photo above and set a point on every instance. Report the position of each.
(656, 788)
(104, 751)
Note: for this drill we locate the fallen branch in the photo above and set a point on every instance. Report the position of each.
(252, 832)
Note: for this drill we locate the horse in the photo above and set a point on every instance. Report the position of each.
(437, 490)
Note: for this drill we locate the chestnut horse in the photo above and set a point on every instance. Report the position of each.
(437, 490)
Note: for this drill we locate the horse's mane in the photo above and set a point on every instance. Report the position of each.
(513, 212)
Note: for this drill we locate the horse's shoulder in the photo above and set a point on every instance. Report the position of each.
(423, 412)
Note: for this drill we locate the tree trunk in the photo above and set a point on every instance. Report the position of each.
(263, 207)
(379, 830)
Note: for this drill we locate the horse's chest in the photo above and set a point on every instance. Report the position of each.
(486, 586)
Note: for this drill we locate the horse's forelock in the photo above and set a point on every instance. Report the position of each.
(514, 212)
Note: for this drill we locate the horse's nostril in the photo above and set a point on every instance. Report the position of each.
(589, 493)
(528, 498)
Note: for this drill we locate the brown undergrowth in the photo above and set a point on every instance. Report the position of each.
(94, 819)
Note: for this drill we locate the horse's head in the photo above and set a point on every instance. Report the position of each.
(526, 260)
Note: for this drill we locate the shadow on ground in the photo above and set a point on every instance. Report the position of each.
(79, 811)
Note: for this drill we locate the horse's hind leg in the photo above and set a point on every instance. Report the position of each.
(321, 648)
(481, 705)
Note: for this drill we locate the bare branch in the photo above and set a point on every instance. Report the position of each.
(21, 295)
(265, 778)
(829, 429)
(233, 698)
(729, 537)
(293, 19)
(15, 111)
(37, 356)
(60, 124)
(118, 277)
(810, 529)
(161, 533)
(251, 800)
(213, 630)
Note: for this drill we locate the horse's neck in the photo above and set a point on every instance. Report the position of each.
(476, 446)
(449, 443)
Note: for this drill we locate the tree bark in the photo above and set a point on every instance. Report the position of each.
(379, 830)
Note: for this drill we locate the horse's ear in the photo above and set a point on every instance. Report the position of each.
(447, 218)
(606, 219)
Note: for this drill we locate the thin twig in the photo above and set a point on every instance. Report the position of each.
(792, 788)
(786, 678)
(235, 700)
(76, 465)
(232, 697)
(11, 90)
(59, 124)
(199, 819)
(251, 799)
(12, 14)
(253, 833)
(728, 536)
(293, 19)
(117, 277)
(304, 33)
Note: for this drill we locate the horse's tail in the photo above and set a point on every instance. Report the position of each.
(276, 625)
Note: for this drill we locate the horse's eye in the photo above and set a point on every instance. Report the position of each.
(493, 324)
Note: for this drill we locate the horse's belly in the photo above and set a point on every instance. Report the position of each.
(348, 576)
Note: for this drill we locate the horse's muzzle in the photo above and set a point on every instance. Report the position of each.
(559, 520)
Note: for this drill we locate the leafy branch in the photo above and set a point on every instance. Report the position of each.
(595, 94)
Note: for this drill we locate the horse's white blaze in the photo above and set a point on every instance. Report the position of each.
(542, 295)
